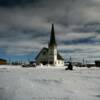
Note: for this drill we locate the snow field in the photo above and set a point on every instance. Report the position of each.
(17, 83)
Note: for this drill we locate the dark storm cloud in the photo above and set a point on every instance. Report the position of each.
(22, 41)
(12, 3)
(88, 27)
(88, 40)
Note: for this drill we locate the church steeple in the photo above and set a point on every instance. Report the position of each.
(50, 55)
(52, 42)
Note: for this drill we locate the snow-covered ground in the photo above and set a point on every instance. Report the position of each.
(18, 83)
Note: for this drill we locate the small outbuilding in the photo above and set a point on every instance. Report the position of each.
(3, 61)
(97, 63)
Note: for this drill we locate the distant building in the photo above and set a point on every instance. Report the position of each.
(50, 55)
(97, 63)
(3, 62)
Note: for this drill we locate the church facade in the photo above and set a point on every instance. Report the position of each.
(50, 55)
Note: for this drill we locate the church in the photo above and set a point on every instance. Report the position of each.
(50, 55)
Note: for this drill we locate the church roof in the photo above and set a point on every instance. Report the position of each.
(46, 49)
(59, 57)
(2, 59)
(52, 38)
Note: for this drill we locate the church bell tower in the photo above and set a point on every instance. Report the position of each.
(52, 48)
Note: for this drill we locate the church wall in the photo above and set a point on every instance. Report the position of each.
(52, 55)
(60, 63)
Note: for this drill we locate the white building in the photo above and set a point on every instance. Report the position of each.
(50, 55)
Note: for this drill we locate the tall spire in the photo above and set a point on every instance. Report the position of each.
(52, 38)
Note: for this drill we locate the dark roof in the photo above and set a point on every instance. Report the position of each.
(52, 37)
(2, 59)
(41, 51)
(59, 57)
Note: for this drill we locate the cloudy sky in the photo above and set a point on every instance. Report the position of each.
(25, 27)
